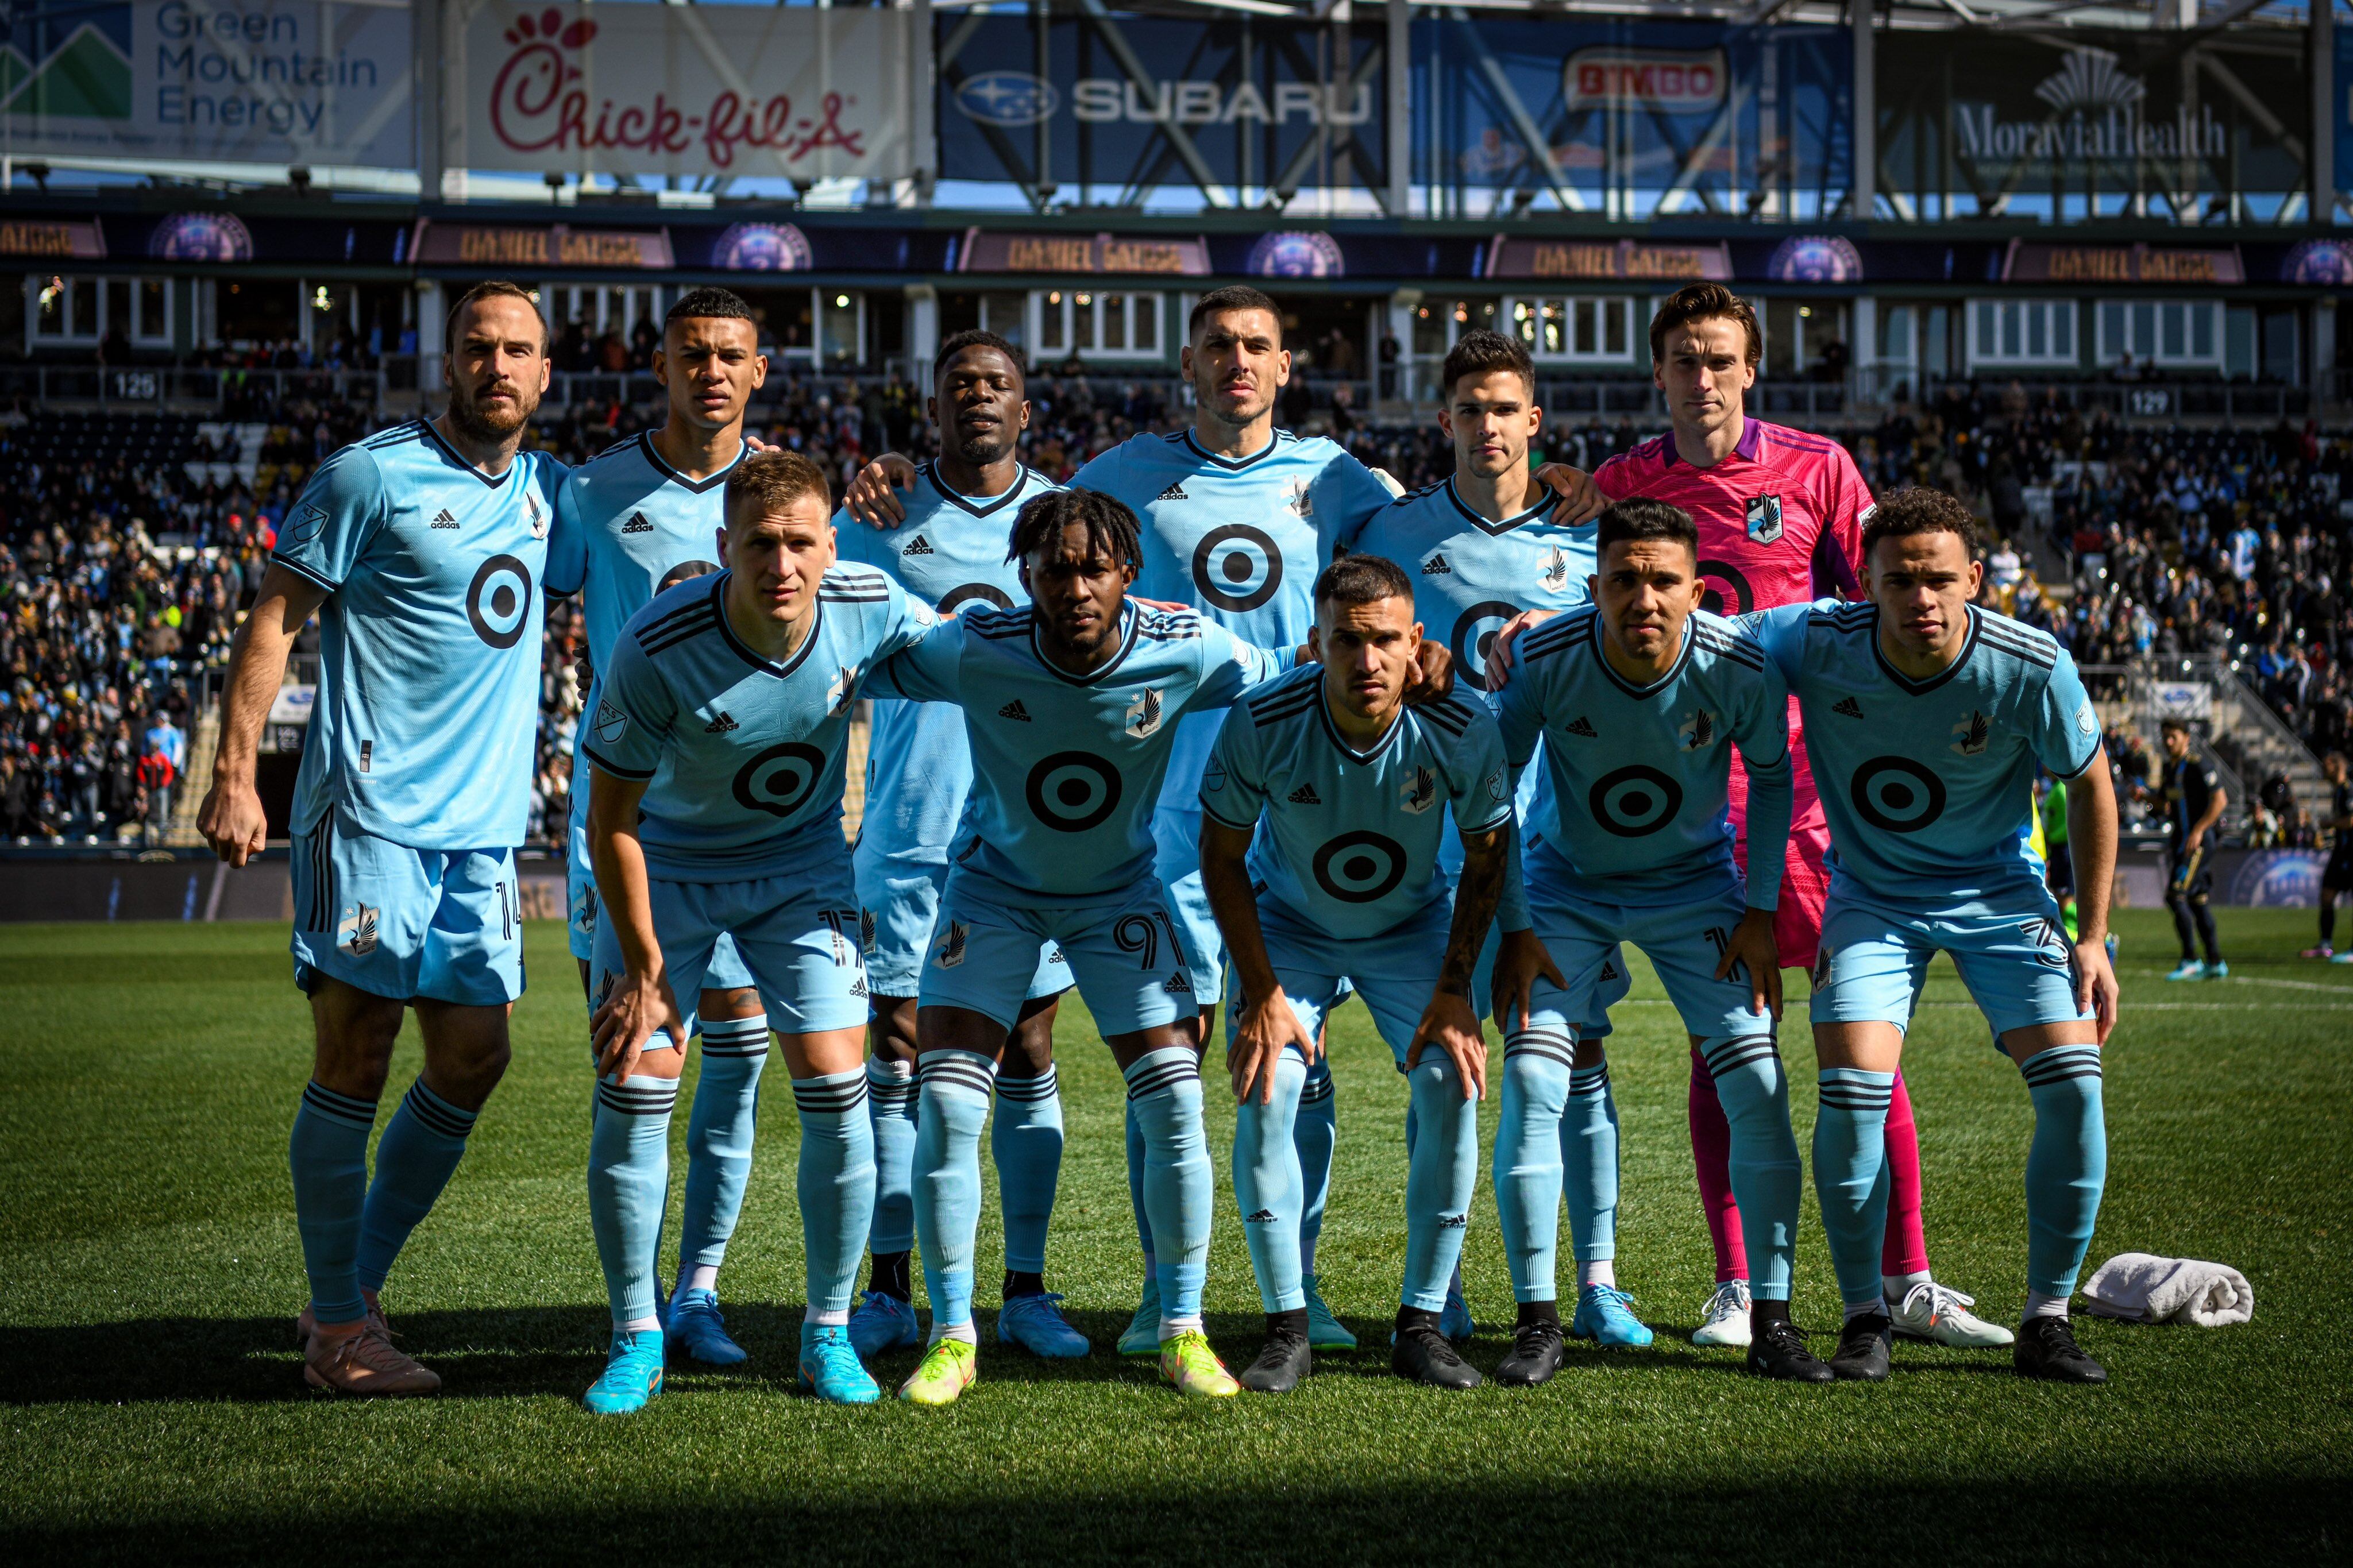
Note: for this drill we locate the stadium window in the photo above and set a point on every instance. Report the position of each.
(2022, 332)
(2162, 331)
(1577, 330)
(153, 323)
(1097, 326)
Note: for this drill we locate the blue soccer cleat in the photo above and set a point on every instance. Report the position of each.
(632, 1376)
(1324, 1331)
(1454, 1320)
(694, 1326)
(830, 1368)
(1142, 1336)
(2188, 969)
(883, 1322)
(1035, 1323)
(1605, 1315)
(2218, 970)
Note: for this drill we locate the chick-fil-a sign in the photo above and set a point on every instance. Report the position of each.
(675, 89)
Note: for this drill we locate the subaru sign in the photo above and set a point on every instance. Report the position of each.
(1007, 98)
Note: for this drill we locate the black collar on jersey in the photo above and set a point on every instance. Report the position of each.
(1752, 437)
(1471, 514)
(1340, 741)
(1641, 694)
(756, 660)
(1233, 465)
(1130, 620)
(979, 506)
(459, 458)
(1917, 687)
(661, 466)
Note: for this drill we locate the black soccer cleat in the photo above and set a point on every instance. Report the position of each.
(1862, 1355)
(1423, 1355)
(1280, 1365)
(2046, 1348)
(1778, 1351)
(1536, 1353)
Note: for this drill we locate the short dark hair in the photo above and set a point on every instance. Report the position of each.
(711, 304)
(2179, 726)
(772, 480)
(1701, 302)
(1642, 516)
(495, 289)
(973, 338)
(1362, 580)
(1232, 296)
(1111, 526)
(1919, 509)
(1483, 353)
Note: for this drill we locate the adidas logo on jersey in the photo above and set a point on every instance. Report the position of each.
(918, 545)
(723, 725)
(1608, 970)
(1263, 1216)
(1174, 492)
(1453, 1221)
(1847, 707)
(857, 987)
(1180, 984)
(1306, 796)
(1436, 566)
(638, 524)
(1014, 710)
(1582, 726)
(443, 519)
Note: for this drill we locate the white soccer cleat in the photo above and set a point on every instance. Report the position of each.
(1724, 1320)
(1940, 1315)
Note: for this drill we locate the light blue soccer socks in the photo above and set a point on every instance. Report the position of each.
(719, 1132)
(1026, 1142)
(1527, 1165)
(328, 1157)
(1314, 1133)
(1588, 1153)
(890, 1111)
(1164, 1092)
(1767, 1176)
(628, 1188)
(414, 1161)
(1440, 1174)
(1850, 1178)
(2066, 1165)
(835, 1187)
(1270, 1186)
(952, 1106)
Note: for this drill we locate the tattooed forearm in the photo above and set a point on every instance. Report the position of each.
(1484, 858)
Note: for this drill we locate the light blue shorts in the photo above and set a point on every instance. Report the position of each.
(899, 911)
(1176, 861)
(1394, 972)
(796, 933)
(1122, 953)
(391, 921)
(582, 908)
(2017, 962)
(1683, 943)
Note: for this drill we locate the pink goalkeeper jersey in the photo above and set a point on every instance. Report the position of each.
(1781, 517)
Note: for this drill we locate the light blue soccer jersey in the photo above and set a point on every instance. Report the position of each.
(429, 639)
(1633, 795)
(1928, 785)
(1470, 575)
(743, 756)
(1349, 840)
(1067, 769)
(950, 552)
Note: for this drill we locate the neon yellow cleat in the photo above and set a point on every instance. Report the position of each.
(947, 1369)
(1187, 1362)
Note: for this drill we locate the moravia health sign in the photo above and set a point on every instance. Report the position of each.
(765, 91)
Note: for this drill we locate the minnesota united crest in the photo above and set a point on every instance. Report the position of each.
(1143, 712)
(1698, 732)
(1765, 519)
(842, 693)
(1420, 793)
(1555, 575)
(356, 933)
(1972, 734)
(951, 945)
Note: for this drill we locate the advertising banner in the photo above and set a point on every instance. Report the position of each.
(764, 91)
(264, 82)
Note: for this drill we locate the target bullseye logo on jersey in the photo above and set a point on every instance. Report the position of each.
(1072, 792)
(1634, 801)
(1724, 591)
(1897, 794)
(987, 594)
(498, 602)
(1475, 631)
(1237, 568)
(780, 779)
(1360, 868)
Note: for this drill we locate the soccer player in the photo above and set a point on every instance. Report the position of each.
(1781, 514)
(950, 552)
(2194, 799)
(718, 741)
(2336, 877)
(1927, 717)
(1638, 699)
(1346, 792)
(423, 550)
(1071, 709)
(2051, 844)
(648, 512)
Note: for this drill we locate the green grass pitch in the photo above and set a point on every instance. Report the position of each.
(148, 1276)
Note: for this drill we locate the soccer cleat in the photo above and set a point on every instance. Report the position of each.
(1780, 1353)
(1424, 1356)
(2047, 1349)
(1142, 1336)
(947, 1369)
(632, 1374)
(2218, 970)
(1605, 1315)
(1187, 1362)
(1281, 1364)
(1935, 1313)
(1862, 1355)
(2345, 957)
(2323, 950)
(306, 1322)
(1536, 1353)
(1324, 1331)
(364, 1363)
(693, 1325)
(830, 1368)
(2188, 969)
(1724, 1320)
(1035, 1323)
(883, 1322)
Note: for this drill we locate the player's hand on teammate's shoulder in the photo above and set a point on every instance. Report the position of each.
(232, 820)
(1499, 652)
(1520, 958)
(1753, 942)
(872, 497)
(1581, 500)
(1433, 673)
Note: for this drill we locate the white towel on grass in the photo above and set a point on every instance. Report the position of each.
(2151, 1290)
